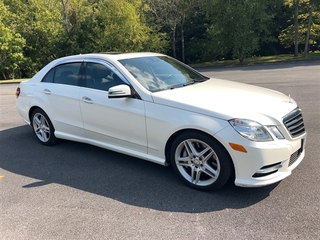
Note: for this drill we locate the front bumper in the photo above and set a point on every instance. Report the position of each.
(264, 163)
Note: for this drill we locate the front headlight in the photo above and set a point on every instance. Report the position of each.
(276, 132)
(251, 130)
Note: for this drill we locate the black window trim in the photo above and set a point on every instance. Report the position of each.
(109, 65)
(64, 63)
(112, 68)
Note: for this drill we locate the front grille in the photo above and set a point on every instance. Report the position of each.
(294, 123)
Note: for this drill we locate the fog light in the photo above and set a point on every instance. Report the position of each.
(267, 170)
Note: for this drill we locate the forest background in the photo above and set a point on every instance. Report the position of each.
(34, 32)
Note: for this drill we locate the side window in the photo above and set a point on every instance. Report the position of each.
(49, 76)
(100, 77)
(67, 74)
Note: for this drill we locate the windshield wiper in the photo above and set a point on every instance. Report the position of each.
(188, 83)
(194, 81)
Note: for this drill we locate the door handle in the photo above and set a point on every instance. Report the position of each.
(47, 91)
(87, 100)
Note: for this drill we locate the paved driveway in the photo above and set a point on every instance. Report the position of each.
(76, 191)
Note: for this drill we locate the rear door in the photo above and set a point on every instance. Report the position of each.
(59, 91)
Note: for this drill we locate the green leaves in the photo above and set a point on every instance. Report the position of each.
(34, 32)
(305, 8)
(52, 28)
(11, 44)
(238, 27)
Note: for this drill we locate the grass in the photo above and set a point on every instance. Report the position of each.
(260, 60)
(283, 58)
(12, 80)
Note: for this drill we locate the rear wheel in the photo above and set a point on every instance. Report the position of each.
(42, 127)
(200, 161)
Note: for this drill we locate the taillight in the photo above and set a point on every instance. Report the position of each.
(17, 92)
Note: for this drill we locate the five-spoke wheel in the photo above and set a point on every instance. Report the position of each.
(42, 127)
(200, 161)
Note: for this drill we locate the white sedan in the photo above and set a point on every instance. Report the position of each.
(153, 107)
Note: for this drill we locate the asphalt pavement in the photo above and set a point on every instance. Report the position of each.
(76, 191)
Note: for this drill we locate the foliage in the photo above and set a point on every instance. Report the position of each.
(238, 27)
(282, 58)
(287, 35)
(170, 16)
(108, 25)
(11, 44)
(55, 28)
(33, 32)
(38, 22)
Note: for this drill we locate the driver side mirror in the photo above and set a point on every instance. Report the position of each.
(119, 91)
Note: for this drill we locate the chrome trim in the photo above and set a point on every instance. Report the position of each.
(269, 169)
(294, 123)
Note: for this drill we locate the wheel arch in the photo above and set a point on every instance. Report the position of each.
(46, 130)
(176, 134)
(31, 110)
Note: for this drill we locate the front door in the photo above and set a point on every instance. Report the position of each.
(113, 123)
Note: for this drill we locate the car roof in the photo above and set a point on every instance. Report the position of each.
(113, 56)
(119, 56)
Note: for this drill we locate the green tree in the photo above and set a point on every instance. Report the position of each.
(296, 27)
(238, 27)
(313, 5)
(11, 45)
(170, 16)
(108, 25)
(38, 22)
(55, 28)
(307, 23)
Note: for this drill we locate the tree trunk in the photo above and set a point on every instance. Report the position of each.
(65, 18)
(296, 27)
(173, 42)
(306, 45)
(241, 55)
(182, 40)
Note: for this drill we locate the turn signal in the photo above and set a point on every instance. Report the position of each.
(238, 147)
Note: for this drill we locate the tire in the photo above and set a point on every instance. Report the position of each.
(200, 161)
(42, 127)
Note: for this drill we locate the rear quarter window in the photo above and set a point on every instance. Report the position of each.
(67, 74)
(49, 76)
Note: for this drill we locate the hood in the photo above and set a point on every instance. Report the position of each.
(227, 99)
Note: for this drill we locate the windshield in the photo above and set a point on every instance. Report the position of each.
(158, 73)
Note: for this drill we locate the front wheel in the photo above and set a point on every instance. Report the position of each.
(43, 128)
(200, 161)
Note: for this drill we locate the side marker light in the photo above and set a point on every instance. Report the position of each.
(238, 147)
